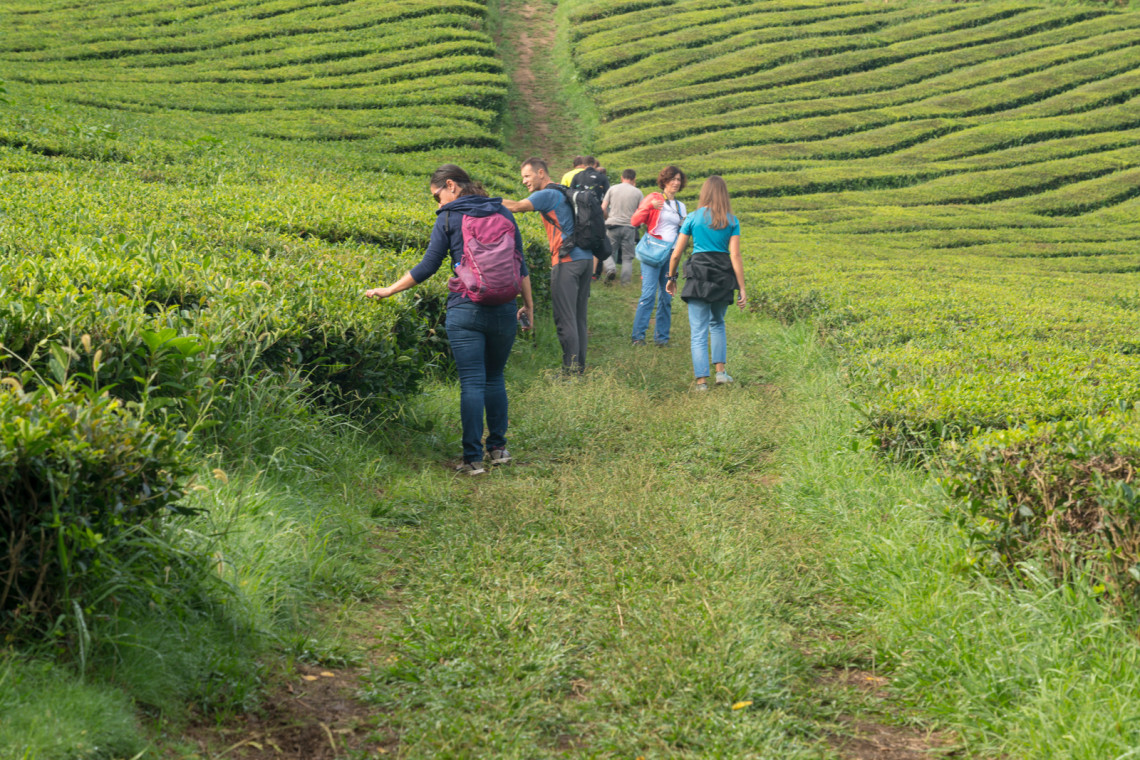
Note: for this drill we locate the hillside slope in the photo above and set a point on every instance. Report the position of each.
(951, 191)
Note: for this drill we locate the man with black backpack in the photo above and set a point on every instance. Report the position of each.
(593, 178)
(575, 229)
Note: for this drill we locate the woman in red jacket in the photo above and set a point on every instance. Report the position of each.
(662, 213)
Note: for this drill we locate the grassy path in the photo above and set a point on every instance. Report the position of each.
(622, 586)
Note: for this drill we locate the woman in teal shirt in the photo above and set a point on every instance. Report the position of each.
(712, 273)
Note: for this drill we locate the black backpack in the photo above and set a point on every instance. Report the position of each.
(591, 179)
(589, 222)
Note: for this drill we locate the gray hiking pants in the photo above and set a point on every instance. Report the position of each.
(570, 294)
(623, 239)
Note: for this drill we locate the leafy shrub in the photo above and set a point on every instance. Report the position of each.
(78, 473)
(1066, 489)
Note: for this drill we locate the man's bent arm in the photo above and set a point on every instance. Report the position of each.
(518, 207)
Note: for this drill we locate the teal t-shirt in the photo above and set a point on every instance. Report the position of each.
(698, 226)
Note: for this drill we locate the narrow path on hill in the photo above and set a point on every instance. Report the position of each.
(535, 123)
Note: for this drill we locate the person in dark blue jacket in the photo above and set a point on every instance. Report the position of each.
(481, 336)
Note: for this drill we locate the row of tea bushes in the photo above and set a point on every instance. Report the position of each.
(194, 200)
(950, 192)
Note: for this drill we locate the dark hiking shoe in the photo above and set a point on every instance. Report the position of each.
(498, 456)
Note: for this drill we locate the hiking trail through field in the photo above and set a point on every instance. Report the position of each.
(630, 586)
(537, 126)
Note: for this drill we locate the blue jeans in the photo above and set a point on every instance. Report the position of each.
(706, 325)
(481, 338)
(653, 289)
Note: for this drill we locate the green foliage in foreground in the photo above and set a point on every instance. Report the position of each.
(77, 474)
(52, 714)
(949, 192)
(1067, 487)
(637, 574)
(1025, 669)
(192, 201)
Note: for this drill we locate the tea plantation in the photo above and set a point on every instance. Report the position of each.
(951, 191)
(195, 399)
(193, 197)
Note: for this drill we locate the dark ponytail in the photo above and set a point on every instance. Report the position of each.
(467, 186)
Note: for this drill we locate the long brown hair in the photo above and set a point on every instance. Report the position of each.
(714, 196)
(467, 186)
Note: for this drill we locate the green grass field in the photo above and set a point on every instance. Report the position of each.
(193, 200)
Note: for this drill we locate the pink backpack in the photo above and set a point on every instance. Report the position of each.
(488, 270)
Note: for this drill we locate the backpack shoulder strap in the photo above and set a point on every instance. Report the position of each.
(566, 193)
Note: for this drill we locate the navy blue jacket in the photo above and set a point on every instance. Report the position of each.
(447, 238)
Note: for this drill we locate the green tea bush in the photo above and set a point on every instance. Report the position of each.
(186, 235)
(78, 474)
(948, 193)
(1064, 489)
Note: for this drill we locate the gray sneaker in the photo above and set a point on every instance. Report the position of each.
(700, 387)
(470, 468)
(498, 456)
(723, 378)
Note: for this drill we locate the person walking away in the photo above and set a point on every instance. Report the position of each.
(595, 179)
(482, 314)
(570, 266)
(712, 273)
(662, 214)
(602, 183)
(578, 165)
(620, 201)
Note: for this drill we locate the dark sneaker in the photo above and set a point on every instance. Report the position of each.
(610, 276)
(662, 344)
(639, 342)
(470, 468)
(498, 456)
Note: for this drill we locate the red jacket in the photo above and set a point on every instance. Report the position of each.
(648, 215)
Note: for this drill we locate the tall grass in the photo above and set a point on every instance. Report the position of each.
(282, 545)
(1021, 669)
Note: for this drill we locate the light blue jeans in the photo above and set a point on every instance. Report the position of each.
(653, 289)
(706, 331)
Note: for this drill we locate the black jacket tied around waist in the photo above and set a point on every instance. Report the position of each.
(709, 277)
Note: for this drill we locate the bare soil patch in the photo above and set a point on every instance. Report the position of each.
(867, 739)
(312, 716)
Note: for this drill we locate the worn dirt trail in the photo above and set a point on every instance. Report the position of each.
(315, 714)
(537, 126)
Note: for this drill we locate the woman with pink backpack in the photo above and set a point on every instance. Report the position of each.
(486, 252)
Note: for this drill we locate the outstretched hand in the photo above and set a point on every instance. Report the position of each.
(378, 293)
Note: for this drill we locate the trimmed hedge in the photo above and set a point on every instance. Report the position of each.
(1066, 490)
(78, 473)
